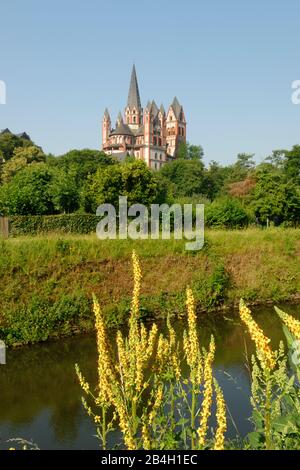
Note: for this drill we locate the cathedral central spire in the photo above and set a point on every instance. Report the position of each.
(134, 100)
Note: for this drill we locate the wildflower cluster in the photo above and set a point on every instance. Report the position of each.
(143, 371)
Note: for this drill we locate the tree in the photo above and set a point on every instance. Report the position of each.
(134, 180)
(186, 175)
(86, 162)
(22, 156)
(29, 192)
(64, 191)
(291, 164)
(9, 142)
(274, 199)
(187, 151)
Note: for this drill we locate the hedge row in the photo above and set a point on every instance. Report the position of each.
(67, 223)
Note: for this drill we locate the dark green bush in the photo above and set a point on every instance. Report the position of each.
(226, 213)
(67, 223)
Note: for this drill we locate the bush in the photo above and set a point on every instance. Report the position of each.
(68, 223)
(226, 213)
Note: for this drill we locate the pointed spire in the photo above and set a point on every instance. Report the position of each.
(134, 100)
(106, 114)
(176, 107)
(119, 120)
(162, 110)
(154, 108)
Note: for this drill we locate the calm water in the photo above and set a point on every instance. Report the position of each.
(40, 397)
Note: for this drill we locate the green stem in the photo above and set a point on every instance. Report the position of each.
(193, 407)
(268, 411)
(103, 427)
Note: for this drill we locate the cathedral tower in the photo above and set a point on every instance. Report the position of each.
(133, 110)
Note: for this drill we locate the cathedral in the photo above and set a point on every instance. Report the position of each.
(148, 134)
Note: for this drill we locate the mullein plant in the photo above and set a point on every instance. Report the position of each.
(141, 385)
(274, 396)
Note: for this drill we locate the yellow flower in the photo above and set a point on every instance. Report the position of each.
(105, 370)
(264, 352)
(291, 322)
(208, 391)
(190, 341)
(146, 437)
(221, 419)
(137, 276)
(83, 383)
(157, 403)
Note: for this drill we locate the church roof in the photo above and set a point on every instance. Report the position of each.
(5, 131)
(134, 100)
(119, 118)
(154, 108)
(122, 129)
(140, 131)
(106, 113)
(162, 109)
(176, 107)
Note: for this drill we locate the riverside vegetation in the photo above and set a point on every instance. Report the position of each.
(47, 282)
(144, 390)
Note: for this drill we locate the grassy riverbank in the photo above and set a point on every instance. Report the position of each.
(47, 283)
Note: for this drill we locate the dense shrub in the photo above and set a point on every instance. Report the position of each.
(68, 223)
(226, 213)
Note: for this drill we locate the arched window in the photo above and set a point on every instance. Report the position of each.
(155, 155)
(134, 119)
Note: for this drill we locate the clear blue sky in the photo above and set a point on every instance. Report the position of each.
(231, 64)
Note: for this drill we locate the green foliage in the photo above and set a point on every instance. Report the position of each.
(274, 198)
(187, 176)
(291, 163)
(64, 191)
(28, 192)
(133, 180)
(211, 291)
(71, 223)
(187, 151)
(81, 162)
(226, 213)
(10, 142)
(40, 319)
(22, 157)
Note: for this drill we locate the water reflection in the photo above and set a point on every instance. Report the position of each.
(40, 396)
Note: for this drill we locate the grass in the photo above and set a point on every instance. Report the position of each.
(47, 281)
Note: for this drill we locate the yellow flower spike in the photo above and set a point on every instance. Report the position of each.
(151, 341)
(83, 383)
(264, 352)
(157, 403)
(221, 418)
(146, 437)
(208, 392)
(122, 356)
(137, 276)
(191, 345)
(291, 322)
(105, 370)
